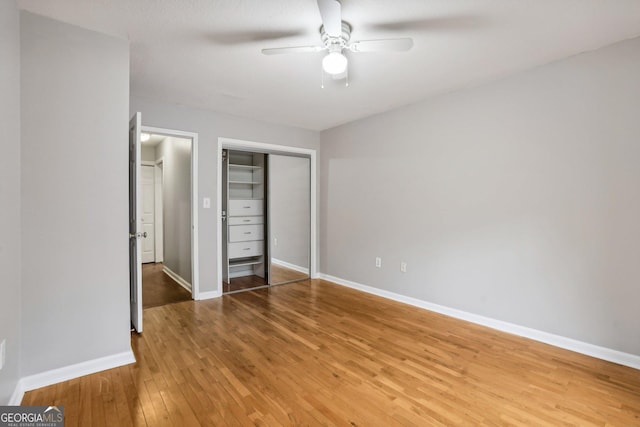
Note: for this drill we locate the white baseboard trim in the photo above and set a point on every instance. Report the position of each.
(209, 295)
(66, 373)
(289, 265)
(16, 397)
(615, 356)
(179, 280)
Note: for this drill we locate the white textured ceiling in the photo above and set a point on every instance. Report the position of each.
(206, 53)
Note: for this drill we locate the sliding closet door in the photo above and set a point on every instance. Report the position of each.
(289, 218)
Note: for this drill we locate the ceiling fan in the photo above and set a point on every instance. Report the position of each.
(336, 39)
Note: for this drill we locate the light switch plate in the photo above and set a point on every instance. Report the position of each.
(206, 203)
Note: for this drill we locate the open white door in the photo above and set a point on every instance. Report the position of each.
(135, 232)
(147, 216)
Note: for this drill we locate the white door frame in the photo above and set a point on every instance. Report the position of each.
(195, 279)
(238, 144)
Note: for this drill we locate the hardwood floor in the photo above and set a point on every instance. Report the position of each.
(160, 289)
(280, 274)
(243, 283)
(315, 353)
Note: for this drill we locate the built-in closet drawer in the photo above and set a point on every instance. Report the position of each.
(245, 207)
(246, 220)
(245, 249)
(243, 233)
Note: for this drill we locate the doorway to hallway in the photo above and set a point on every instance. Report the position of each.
(160, 289)
(166, 191)
(162, 215)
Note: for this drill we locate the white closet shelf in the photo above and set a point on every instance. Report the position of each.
(249, 167)
(245, 182)
(244, 262)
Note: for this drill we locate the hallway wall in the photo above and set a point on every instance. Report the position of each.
(176, 190)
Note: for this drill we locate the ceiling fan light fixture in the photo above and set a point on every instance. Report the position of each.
(334, 63)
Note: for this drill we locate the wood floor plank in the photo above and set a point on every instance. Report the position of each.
(314, 353)
(97, 408)
(159, 408)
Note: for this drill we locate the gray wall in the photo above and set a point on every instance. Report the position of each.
(147, 153)
(209, 126)
(518, 200)
(290, 209)
(10, 256)
(74, 95)
(176, 201)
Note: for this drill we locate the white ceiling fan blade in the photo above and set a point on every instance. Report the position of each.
(331, 13)
(296, 49)
(384, 45)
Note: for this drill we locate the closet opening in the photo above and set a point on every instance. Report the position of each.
(267, 219)
(163, 214)
(244, 216)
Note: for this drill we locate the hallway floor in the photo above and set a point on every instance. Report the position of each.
(160, 289)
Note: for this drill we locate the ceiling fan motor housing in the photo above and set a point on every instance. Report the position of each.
(336, 44)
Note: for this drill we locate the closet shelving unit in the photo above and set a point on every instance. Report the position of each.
(245, 207)
(249, 175)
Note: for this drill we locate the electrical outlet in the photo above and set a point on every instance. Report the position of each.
(275, 241)
(378, 262)
(3, 345)
(403, 267)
